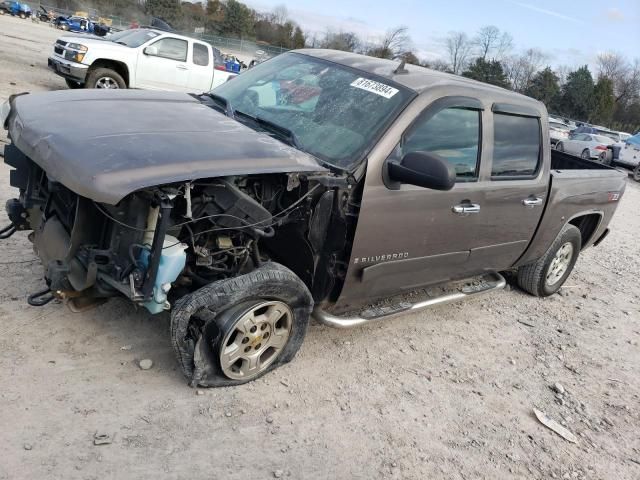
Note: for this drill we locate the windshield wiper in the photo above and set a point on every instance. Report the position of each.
(221, 102)
(283, 132)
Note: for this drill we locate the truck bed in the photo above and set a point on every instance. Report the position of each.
(565, 161)
(577, 188)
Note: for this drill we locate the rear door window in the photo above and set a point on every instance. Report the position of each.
(453, 134)
(200, 54)
(516, 146)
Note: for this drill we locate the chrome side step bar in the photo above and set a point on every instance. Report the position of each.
(497, 282)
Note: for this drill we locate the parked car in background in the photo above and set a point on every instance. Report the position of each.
(79, 24)
(629, 155)
(558, 131)
(139, 58)
(16, 9)
(586, 145)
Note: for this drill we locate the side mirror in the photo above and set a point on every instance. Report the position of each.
(423, 170)
(151, 51)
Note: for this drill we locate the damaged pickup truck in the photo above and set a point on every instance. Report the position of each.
(319, 183)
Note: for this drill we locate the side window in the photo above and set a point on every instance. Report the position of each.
(516, 146)
(200, 54)
(172, 48)
(453, 134)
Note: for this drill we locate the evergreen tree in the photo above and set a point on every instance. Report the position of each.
(603, 101)
(488, 72)
(545, 86)
(577, 94)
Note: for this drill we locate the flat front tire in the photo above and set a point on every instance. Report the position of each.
(547, 275)
(235, 330)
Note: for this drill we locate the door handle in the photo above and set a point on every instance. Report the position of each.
(466, 208)
(532, 202)
(182, 67)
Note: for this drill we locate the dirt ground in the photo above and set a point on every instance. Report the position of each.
(444, 394)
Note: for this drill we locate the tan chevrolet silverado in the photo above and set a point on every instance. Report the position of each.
(318, 184)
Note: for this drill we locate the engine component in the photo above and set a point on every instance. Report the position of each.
(172, 262)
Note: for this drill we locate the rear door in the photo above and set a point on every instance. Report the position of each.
(518, 177)
(200, 68)
(163, 67)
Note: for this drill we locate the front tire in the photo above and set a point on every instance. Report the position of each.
(547, 275)
(560, 147)
(104, 78)
(218, 332)
(586, 154)
(636, 173)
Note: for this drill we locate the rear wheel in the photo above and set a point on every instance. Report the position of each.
(636, 173)
(586, 154)
(104, 78)
(22, 15)
(548, 273)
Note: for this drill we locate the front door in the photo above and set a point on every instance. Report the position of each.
(162, 65)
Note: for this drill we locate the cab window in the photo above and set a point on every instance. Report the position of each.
(200, 54)
(453, 134)
(516, 146)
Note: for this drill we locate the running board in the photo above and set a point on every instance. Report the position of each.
(489, 283)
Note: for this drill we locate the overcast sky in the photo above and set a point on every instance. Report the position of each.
(572, 32)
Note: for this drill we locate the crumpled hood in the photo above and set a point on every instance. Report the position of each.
(104, 145)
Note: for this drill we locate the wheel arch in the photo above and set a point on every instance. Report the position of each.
(588, 224)
(115, 65)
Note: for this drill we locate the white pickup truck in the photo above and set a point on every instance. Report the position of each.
(139, 58)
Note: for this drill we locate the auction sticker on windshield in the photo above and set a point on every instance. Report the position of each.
(374, 87)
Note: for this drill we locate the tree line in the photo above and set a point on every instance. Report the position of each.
(610, 96)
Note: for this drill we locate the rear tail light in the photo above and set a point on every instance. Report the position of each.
(220, 67)
(601, 147)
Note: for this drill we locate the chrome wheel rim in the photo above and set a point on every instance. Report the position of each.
(256, 339)
(106, 82)
(559, 264)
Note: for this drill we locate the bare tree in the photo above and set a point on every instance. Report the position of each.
(624, 75)
(395, 43)
(280, 14)
(458, 47)
(520, 69)
(493, 43)
(346, 41)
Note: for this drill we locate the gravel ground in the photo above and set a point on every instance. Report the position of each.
(448, 393)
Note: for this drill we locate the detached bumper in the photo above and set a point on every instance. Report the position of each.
(70, 70)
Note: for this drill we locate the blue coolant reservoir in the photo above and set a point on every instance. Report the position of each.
(172, 263)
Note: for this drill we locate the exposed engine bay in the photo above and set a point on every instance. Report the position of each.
(161, 243)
